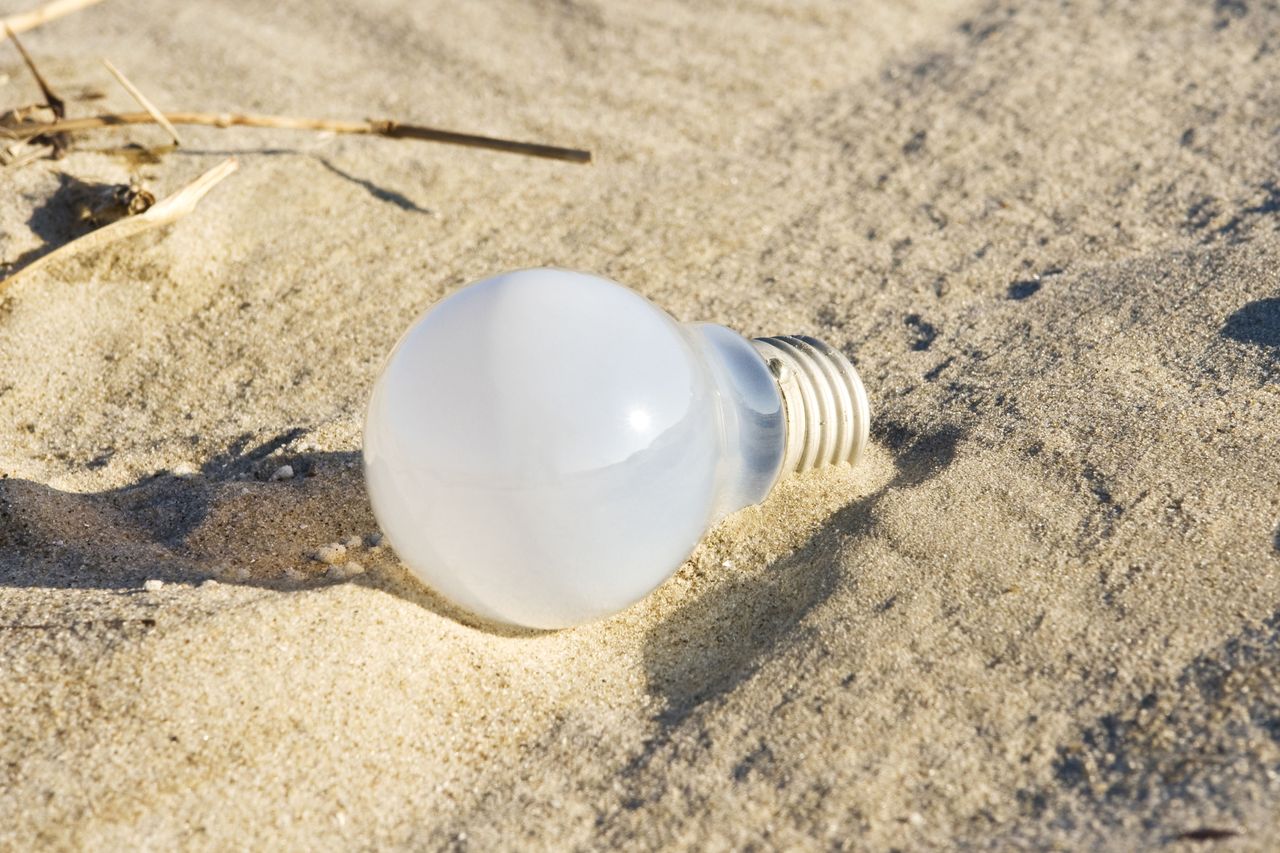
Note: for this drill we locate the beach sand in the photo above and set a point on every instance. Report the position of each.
(1044, 611)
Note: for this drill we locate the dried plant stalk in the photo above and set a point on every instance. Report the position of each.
(390, 129)
(51, 100)
(167, 210)
(144, 102)
(19, 116)
(21, 153)
(29, 20)
(59, 141)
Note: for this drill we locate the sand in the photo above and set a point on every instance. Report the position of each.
(1044, 612)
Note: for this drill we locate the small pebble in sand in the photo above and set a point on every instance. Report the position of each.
(353, 542)
(184, 470)
(294, 575)
(374, 540)
(284, 472)
(332, 553)
(345, 570)
(153, 585)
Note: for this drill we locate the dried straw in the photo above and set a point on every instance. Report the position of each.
(29, 20)
(390, 129)
(143, 101)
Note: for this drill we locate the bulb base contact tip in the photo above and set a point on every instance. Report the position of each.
(827, 412)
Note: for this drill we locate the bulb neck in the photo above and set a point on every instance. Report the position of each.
(827, 413)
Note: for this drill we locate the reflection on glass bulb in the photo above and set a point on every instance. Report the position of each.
(545, 447)
(640, 420)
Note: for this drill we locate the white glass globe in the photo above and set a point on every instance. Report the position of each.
(544, 447)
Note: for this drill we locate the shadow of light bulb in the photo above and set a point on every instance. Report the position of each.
(544, 447)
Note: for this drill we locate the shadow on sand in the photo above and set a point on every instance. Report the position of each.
(231, 521)
(711, 644)
(1257, 322)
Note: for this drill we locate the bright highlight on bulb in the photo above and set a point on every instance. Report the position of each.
(544, 447)
(640, 420)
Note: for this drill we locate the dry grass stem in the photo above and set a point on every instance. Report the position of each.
(144, 102)
(167, 210)
(29, 20)
(21, 153)
(390, 129)
(60, 141)
(19, 116)
(51, 100)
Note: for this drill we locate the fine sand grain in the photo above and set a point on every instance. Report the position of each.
(1045, 611)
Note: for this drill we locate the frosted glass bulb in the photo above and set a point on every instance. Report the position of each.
(544, 447)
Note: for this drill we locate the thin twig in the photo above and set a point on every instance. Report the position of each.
(24, 21)
(167, 210)
(390, 129)
(59, 141)
(51, 100)
(143, 101)
(11, 158)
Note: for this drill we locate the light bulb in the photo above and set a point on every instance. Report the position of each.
(544, 447)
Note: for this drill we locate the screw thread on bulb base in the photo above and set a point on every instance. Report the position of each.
(827, 412)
